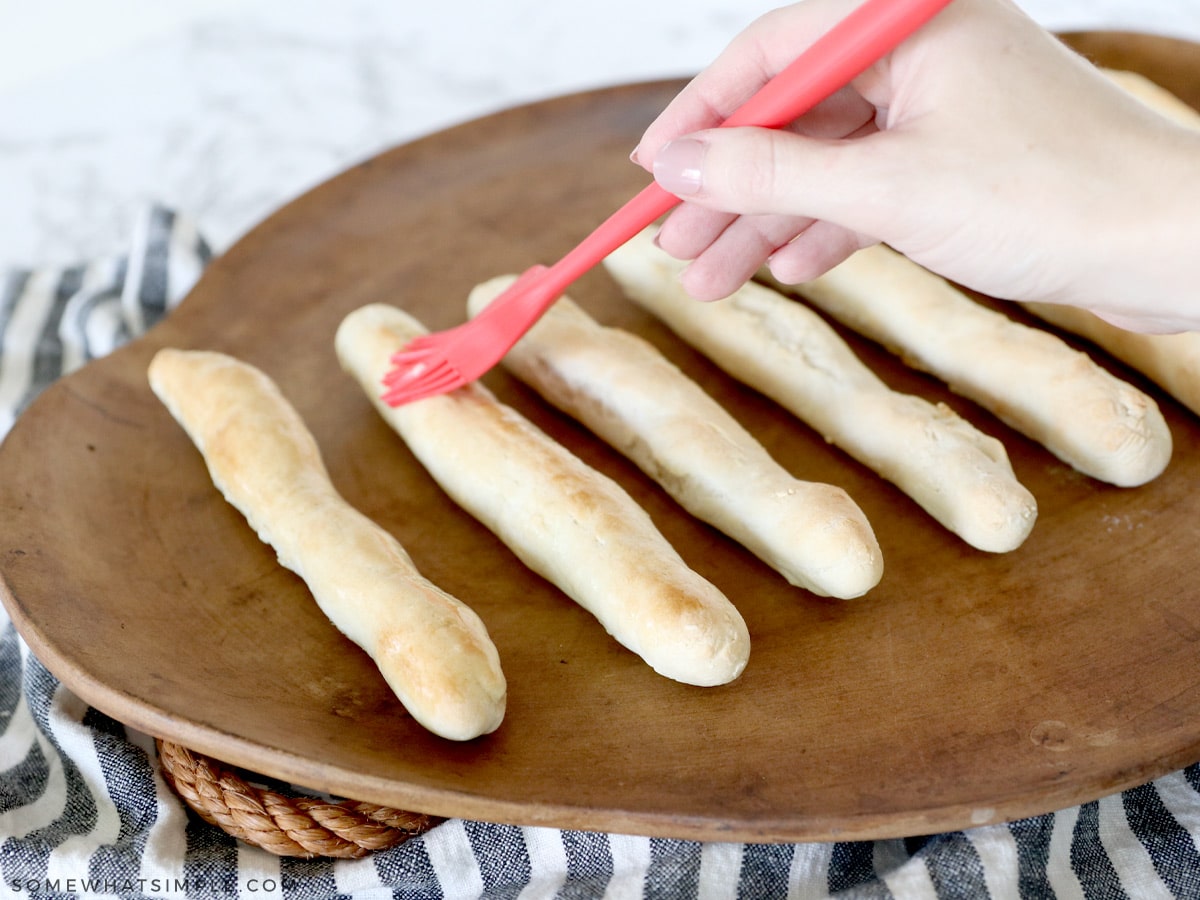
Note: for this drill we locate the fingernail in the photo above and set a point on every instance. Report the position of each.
(633, 156)
(677, 166)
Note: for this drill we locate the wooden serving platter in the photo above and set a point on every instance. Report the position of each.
(966, 689)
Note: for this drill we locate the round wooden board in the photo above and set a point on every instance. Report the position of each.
(966, 689)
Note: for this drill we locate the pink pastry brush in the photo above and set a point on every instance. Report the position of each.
(442, 361)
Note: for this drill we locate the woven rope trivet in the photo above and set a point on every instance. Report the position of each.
(286, 826)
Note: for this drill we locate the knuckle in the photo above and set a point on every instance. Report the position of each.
(753, 175)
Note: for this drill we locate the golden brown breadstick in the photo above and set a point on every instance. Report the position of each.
(1155, 96)
(1170, 360)
(1029, 378)
(623, 389)
(959, 475)
(569, 523)
(432, 650)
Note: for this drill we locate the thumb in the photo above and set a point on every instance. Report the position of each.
(762, 171)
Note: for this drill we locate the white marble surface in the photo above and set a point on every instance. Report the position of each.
(225, 109)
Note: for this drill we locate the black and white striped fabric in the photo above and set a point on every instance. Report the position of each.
(84, 811)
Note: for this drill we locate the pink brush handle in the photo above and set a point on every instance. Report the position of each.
(839, 56)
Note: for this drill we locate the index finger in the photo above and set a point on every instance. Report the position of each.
(755, 56)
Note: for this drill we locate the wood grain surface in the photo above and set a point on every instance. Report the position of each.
(965, 689)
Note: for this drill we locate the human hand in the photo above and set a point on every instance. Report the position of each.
(981, 148)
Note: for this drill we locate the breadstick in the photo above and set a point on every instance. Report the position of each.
(433, 651)
(1029, 378)
(569, 523)
(1170, 360)
(623, 389)
(960, 476)
(1155, 96)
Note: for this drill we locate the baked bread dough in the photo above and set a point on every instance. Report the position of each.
(624, 390)
(960, 476)
(569, 523)
(432, 650)
(1155, 96)
(1170, 360)
(1032, 380)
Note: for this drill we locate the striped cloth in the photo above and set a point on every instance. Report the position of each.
(84, 811)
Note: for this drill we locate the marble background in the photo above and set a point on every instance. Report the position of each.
(225, 109)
